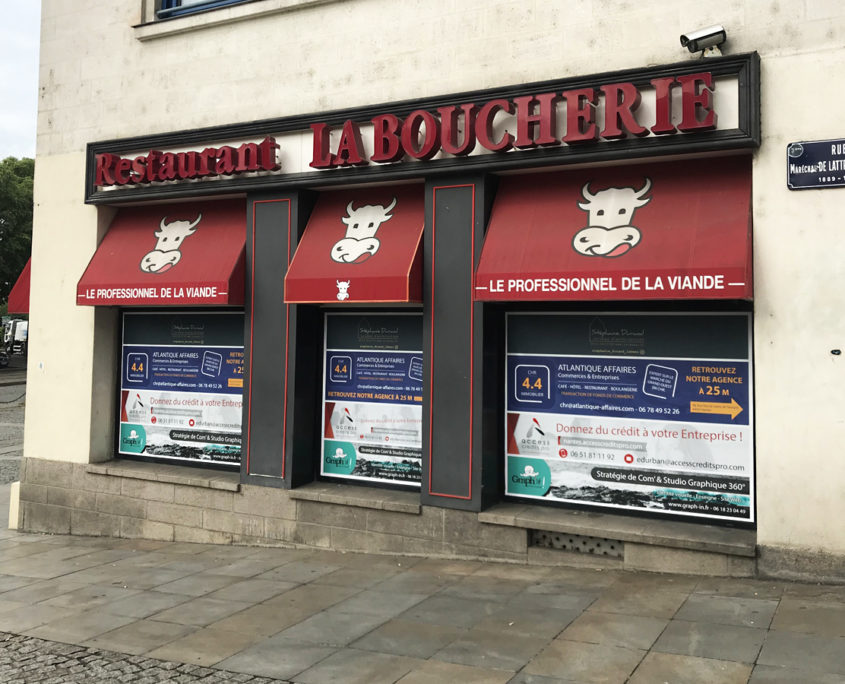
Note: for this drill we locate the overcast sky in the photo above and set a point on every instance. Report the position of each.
(19, 32)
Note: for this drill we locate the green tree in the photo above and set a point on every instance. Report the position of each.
(15, 220)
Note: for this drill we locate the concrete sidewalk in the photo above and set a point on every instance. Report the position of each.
(318, 616)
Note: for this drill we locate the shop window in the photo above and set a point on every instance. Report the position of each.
(632, 412)
(177, 8)
(372, 398)
(181, 387)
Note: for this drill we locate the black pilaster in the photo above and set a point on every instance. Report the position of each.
(454, 435)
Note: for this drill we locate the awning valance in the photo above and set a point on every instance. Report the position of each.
(170, 254)
(672, 230)
(18, 302)
(360, 246)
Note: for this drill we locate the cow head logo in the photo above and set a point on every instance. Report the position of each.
(342, 289)
(360, 242)
(610, 213)
(166, 253)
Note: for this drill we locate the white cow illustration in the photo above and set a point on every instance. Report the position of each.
(610, 213)
(342, 289)
(360, 242)
(165, 255)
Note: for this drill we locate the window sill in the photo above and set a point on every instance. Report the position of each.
(162, 472)
(360, 497)
(220, 16)
(669, 533)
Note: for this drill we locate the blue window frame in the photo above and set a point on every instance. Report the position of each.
(177, 8)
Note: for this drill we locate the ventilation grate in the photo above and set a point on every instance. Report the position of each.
(613, 548)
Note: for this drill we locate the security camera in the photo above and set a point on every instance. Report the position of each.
(707, 39)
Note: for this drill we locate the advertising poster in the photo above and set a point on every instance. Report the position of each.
(372, 398)
(649, 411)
(181, 386)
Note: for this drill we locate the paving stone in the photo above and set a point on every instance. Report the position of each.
(201, 611)
(678, 669)
(300, 571)
(658, 603)
(140, 636)
(205, 646)
(482, 588)
(707, 640)
(198, 584)
(724, 610)
(144, 604)
(437, 672)
(358, 667)
(406, 638)
(253, 590)
(278, 657)
(811, 616)
(378, 602)
(630, 631)
(478, 648)
(451, 611)
(809, 652)
(89, 597)
(332, 628)
(521, 620)
(79, 626)
(585, 662)
(768, 674)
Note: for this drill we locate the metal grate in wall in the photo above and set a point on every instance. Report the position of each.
(613, 548)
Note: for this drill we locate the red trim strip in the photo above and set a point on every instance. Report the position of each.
(471, 336)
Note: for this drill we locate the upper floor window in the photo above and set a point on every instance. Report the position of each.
(177, 8)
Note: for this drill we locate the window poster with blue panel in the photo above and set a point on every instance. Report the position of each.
(372, 398)
(632, 411)
(181, 386)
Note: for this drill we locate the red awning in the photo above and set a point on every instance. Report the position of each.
(676, 230)
(170, 254)
(360, 246)
(19, 295)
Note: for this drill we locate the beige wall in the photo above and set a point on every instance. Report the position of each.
(103, 78)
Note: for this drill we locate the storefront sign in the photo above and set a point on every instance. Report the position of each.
(665, 109)
(632, 412)
(456, 130)
(372, 401)
(817, 164)
(181, 386)
(113, 169)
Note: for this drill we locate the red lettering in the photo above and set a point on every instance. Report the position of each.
(104, 174)
(484, 126)
(663, 106)
(621, 100)
(411, 129)
(152, 166)
(248, 157)
(186, 164)
(695, 100)
(267, 157)
(207, 160)
(386, 147)
(121, 171)
(580, 116)
(167, 170)
(139, 167)
(349, 148)
(450, 128)
(538, 128)
(321, 157)
(226, 160)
